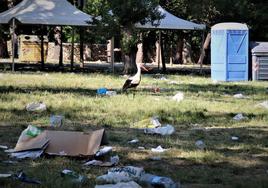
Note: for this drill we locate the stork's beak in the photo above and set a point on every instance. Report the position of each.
(143, 67)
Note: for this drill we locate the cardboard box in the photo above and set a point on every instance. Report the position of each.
(66, 143)
(39, 142)
(30, 48)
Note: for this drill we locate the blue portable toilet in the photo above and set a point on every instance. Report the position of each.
(229, 52)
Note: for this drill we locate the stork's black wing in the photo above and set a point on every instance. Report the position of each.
(127, 85)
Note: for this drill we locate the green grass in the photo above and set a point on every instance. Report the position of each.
(206, 113)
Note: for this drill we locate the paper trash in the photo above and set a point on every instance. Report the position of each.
(158, 149)
(165, 130)
(113, 161)
(239, 117)
(36, 107)
(130, 184)
(178, 97)
(67, 143)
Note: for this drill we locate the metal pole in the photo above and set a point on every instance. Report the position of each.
(13, 44)
(72, 50)
(61, 49)
(42, 49)
(159, 50)
(112, 53)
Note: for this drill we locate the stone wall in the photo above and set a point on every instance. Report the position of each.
(93, 52)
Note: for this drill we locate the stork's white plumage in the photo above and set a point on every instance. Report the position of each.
(134, 81)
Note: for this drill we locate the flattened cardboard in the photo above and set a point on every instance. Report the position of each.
(74, 143)
(38, 142)
(68, 143)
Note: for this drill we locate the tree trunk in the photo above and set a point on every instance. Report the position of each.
(179, 49)
(204, 50)
(3, 48)
(130, 65)
(139, 55)
(187, 53)
(130, 54)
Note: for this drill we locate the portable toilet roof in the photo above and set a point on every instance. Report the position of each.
(230, 26)
(259, 47)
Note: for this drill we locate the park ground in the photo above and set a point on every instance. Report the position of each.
(206, 114)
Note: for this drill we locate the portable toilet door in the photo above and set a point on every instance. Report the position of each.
(229, 52)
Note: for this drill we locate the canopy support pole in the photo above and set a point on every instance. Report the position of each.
(72, 50)
(159, 50)
(162, 54)
(13, 44)
(81, 33)
(112, 54)
(61, 49)
(42, 49)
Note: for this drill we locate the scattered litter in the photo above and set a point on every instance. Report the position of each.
(125, 175)
(141, 148)
(27, 154)
(162, 78)
(158, 149)
(130, 184)
(5, 175)
(156, 89)
(101, 91)
(104, 151)
(105, 91)
(173, 83)
(129, 171)
(134, 141)
(3, 147)
(10, 150)
(31, 143)
(155, 122)
(165, 130)
(73, 176)
(239, 96)
(158, 181)
(215, 81)
(113, 161)
(264, 104)
(178, 97)
(200, 144)
(112, 178)
(56, 120)
(111, 93)
(235, 138)
(62, 143)
(239, 117)
(10, 162)
(36, 107)
(22, 177)
(29, 133)
(152, 122)
(156, 158)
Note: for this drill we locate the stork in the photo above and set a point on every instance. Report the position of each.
(134, 81)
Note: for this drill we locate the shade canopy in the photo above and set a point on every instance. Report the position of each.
(46, 12)
(170, 22)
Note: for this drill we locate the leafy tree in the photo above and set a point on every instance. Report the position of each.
(127, 13)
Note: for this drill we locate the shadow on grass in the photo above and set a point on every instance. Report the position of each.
(220, 89)
(205, 170)
(80, 91)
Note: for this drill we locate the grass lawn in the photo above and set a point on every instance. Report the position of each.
(205, 114)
